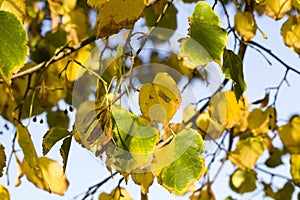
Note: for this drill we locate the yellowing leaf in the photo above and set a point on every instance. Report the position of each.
(160, 100)
(53, 175)
(4, 194)
(245, 25)
(247, 152)
(209, 128)
(295, 168)
(289, 135)
(2, 160)
(52, 137)
(116, 194)
(296, 4)
(290, 33)
(143, 179)
(277, 8)
(114, 15)
(62, 6)
(242, 181)
(17, 7)
(204, 194)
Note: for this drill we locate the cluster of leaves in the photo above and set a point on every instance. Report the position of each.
(38, 70)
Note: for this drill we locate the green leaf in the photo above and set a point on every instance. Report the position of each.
(4, 194)
(207, 40)
(247, 152)
(286, 192)
(290, 32)
(181, 162)
(233, 69)
(274, 159)
(57, 119)
(242, 181)
(52, 137)
(2, 160)
(13, 47)
(289, 135)
(64, 151)
(295, 168)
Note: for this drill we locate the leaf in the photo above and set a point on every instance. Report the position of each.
(226, 110)
(286, 192)
(289, 135)
(277, 8)
(233, 69)
(63, 6)
(290, 33)
(16, 7)
(247, 152)
(160, 100)
(112, 15)
(204, 194)
(118, 193)
(52, 137)
(2, 160)
(295, 168)
(209, 128)
(269, 190)
(57, 119)
(178, 164)
(64, 151)
(202, 47)
(145, 180)
(243, 181)
(4, 194)
(53, 175)
(134, 139)
(274, 159)
(296, 4)
(245, 25)
(13, 47)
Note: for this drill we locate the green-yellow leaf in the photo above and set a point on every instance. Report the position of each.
(13, 47)
(180, 163)
(277, 8)
(233, 69)
(245, 25)
(145, 180)
(114, 15)
(160, 100)
(295, 168)
(2, 160)
(64, 150)
(247, 152)
(290, 33)
(289, 135)
(52, 137)
(207, 39)
(57, 119)
(116, 194)
(204, 194)
(286, 192)
(17, 7)
(4, 194)
(242, 181)
(275, 158)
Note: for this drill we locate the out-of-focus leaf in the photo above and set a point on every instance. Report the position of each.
(269, 190)
(233, 69)
(62, 6)
(4, 194)
(201, 47)
(296, 4)
(13, 47)
(289, 135)
(247, 152)
(64, 151)
(115, 15)
(57, 119)
(290, 33)
(17, 7)
(275, 158)
(277, 8)
(145, 180)
(295, 168)
(2, 160)
(286, 192)
(245, 25)
(116, 194)
(242, 181)
(204, 194)
(178, 164)
(52, 137)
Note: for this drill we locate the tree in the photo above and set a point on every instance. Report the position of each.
(146, 97)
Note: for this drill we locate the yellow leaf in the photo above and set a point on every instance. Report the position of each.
(160, 100)
(290, 32)
(226, 110)
(277, 8)
(204, 194)
(295, 168)
(2, 159)
(289, 135)
(209, 128)
(245, 25)
(143, 179)
(113, 15)
(117, 194)
(17, 7)
(296, 4)
(53, 175)
(4, 194)
(62, 6)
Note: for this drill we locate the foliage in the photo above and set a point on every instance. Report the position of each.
(131, 110)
